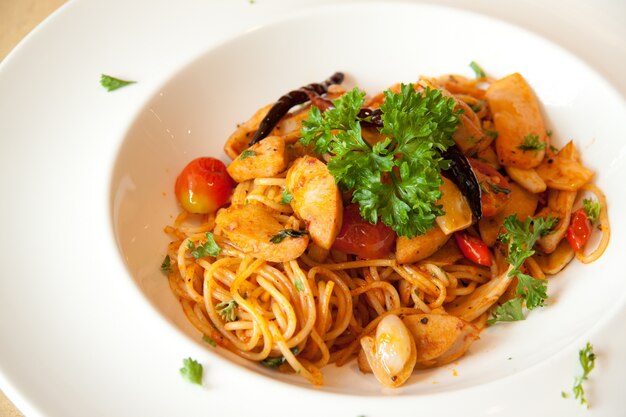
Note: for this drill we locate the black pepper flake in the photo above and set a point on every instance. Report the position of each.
(424, 320)
(394, 378)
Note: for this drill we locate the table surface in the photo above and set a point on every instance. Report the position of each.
(17, 19)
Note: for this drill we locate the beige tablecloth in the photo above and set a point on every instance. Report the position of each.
(17, 18)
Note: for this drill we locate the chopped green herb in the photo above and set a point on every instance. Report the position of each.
(492, 133)
(209, 340)
(247, 154)
(521, 237)
(592, 208)
(418, 127)
(166, 265)
(287, 197)
(285, 233)
(549, 133)
(499, 190)
(112, 83)
(226, 310)
(532, 143)
(299, 285)
(508, 311)
(554, 149)
(478, 71)
(192, 371)
(209, 248)
(587, 360)
(277, 361)
(477, 106)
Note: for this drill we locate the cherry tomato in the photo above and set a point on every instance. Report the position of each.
(473, 248)
(203, 185)
(359, 237)
(495, 188)
(579, 230)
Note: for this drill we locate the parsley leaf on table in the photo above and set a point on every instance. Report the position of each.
(398, 178)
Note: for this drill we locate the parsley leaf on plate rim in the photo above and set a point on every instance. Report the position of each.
(112, 83)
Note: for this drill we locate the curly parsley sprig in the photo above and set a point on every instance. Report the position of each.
(397, 179)
(521, 237)
(587, 359)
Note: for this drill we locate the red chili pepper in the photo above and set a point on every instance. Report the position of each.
(579, 230)
(473, 248)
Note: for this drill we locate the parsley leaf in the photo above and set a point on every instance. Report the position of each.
(226, 310)
(285, 233)
(478, 71)
(277, 361)
(299, 285)
(209, 340)
(112, 83)
(499, 190)
(397, 179)
(492, 133)
(247, 154)
(587, 361)
(532, 143)
(592, 208)
(209, 248)
(166, 265)
(521, 237)
(192, 371)
(287, 197)
(509, 311)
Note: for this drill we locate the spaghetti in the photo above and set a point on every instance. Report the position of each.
(326, 305)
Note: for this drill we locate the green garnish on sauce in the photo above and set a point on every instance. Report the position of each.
(532, 143)
(209, 248)
(247, 154)
(287, 197)
(226, 310)
(283, 234)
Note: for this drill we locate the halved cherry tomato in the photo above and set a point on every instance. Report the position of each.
(359, 237)
(579, 230)
(495, 188)
(473, 248)
(203, 185)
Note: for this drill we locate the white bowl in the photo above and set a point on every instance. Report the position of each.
(376, 45)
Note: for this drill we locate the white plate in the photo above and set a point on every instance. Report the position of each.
(90, 329)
